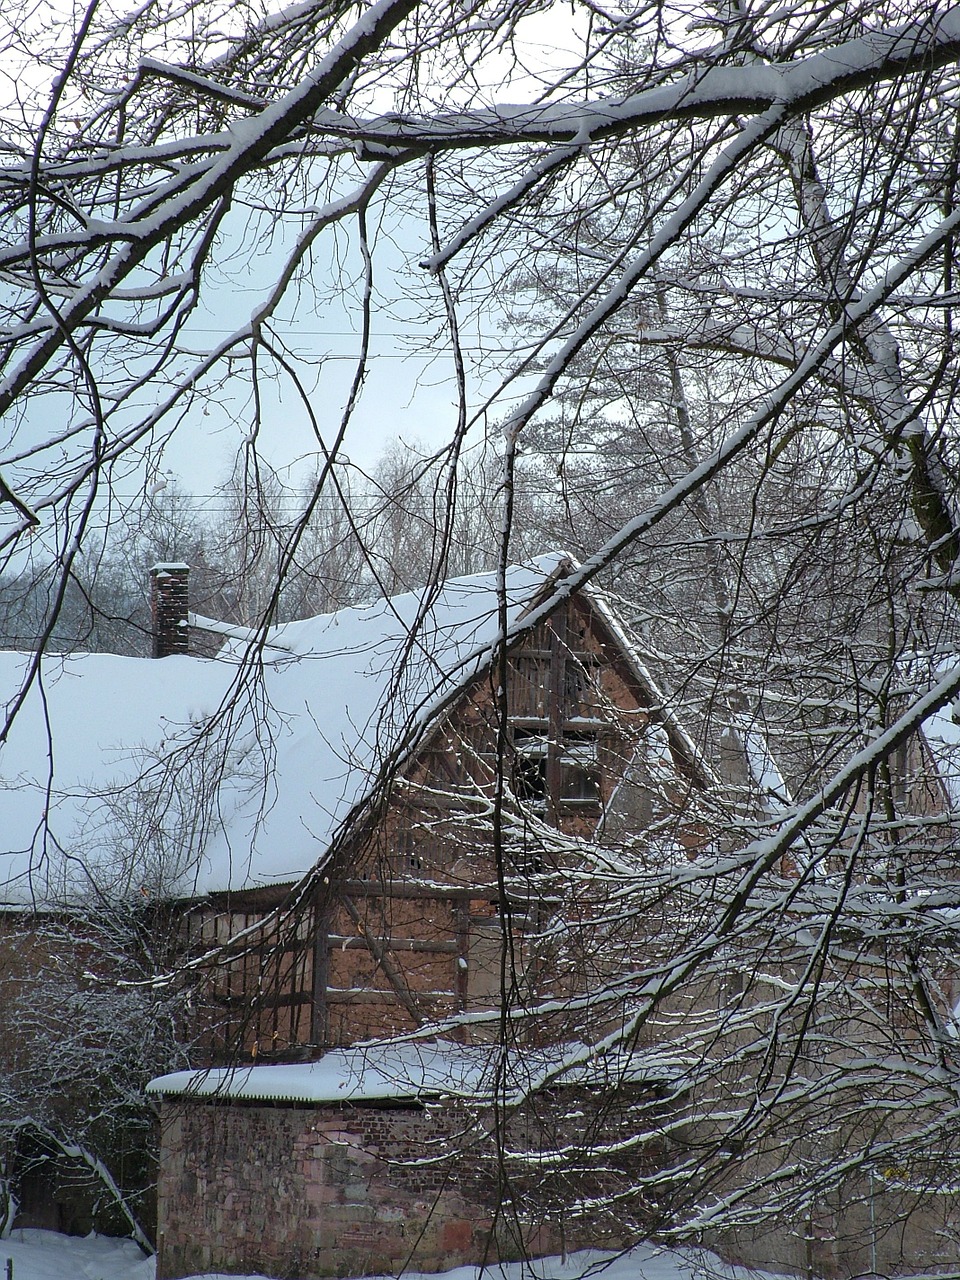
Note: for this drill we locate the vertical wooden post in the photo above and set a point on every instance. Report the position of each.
(319, 1020)
(461, 908)
(557, 631)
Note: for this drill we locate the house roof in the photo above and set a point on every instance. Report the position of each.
(188, 775)
(941, 732)
(185, 775)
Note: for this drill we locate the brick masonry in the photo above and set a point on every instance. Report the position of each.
(310, 1191)
(169, 603)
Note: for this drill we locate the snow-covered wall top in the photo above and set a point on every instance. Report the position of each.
(186, 775)
(342, 1075)
(433, 1068)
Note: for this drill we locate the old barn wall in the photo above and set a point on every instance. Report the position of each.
(309, 1191)
(320, 1189)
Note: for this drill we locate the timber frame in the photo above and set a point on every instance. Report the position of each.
(414, 923)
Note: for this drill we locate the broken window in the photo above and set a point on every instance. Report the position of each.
(530, 767)
(579, 768)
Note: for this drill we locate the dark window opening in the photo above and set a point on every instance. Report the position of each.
(580, 769)
(530, 767)
(580, 685)
(579, 783)
(579, 772)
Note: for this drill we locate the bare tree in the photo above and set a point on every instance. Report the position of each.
(732, 232)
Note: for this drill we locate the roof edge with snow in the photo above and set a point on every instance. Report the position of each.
(405, 1072)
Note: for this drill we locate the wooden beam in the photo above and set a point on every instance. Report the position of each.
(382, 957)
(346, 942)
(337, 995)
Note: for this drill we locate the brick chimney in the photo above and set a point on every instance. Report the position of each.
(169, 602)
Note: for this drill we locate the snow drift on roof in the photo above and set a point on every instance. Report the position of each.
(942, 734)
(764, 769)
(127, 771)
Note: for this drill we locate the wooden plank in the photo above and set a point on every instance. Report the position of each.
(366, 996)
(319, 1024)
(346, 942)
(413, 889)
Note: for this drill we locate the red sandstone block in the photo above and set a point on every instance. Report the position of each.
(321, 1195)
(457, 1236)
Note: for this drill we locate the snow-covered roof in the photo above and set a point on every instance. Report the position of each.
(940, 735)
(941, 732)
(671, 726)
(405, 1071)
(131, 771)
(763, 768)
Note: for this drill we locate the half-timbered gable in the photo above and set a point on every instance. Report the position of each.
(405, 925)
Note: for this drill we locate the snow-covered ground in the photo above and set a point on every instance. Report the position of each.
(44, 1255)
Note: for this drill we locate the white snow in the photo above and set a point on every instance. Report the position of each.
(437, 1068)
(763, 768)
(349, 1075)
(942, 735)
(45, 1255)
(331, 698)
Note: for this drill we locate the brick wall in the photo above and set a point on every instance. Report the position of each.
(323, 1190)
(309, 1191)
(168, 605)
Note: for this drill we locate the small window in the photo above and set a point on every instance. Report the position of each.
(579, 784)
(530, 767)
(580, 769)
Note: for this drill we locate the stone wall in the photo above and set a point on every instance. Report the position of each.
(301, 1191)
(305, 1191)
(867, 1228)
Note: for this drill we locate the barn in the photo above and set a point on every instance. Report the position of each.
(356, 828)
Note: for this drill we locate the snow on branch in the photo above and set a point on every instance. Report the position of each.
(716, 92)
